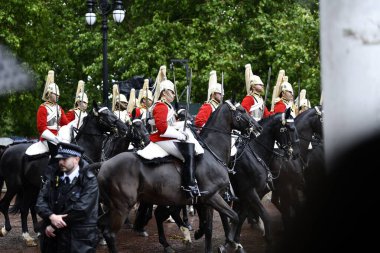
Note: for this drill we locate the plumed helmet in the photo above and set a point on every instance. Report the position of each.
(161, 76)
(305, 102)
(121, 98)
(213, 85)
(132, 101)
(115, 94)
(285, 86)
(217, 87)
(256, 80)
(301, 100)
(145, 92)
(250, 78)
(50, 86)
(53, 88)
(81, 97)
(167, 85)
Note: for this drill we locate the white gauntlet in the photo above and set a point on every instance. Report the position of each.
(171, 132)
(48, 135)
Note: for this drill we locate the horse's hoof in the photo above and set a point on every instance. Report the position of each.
(240, 250)
(222, 249)
(191, 211)
(142, 233)
(102, 242)
(186, 234)
(3, 232)
(169, 249)
(198, 235)
(31, 243)
(189, 227)
(170, 220)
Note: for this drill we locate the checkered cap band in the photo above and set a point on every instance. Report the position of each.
(66, 151)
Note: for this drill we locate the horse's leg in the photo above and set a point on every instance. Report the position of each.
(186, 218)
(4, 209)
(143, 215)
(175, 212)
(161, 213)
(217, 202)
(257, 206)
(111, 222)
(26, 204)
(208, 229)
(201, 210)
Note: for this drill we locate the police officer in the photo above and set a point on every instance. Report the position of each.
(68, 205)
(254, 103)
(214, 97)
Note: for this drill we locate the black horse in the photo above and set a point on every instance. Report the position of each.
(291, 187)
(23, 176)
(250, 176)
(309, 125)
(122, 183)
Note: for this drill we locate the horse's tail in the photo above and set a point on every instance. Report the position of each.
(94, 167)
(1, 184)
(16, 207)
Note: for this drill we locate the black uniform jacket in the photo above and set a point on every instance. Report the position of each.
(80, 201)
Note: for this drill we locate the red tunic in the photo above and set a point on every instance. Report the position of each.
(279, 107)
(70, 115)
(137, 112)
(42, 124)
(203, 115)
(160, 115)
(249, 101)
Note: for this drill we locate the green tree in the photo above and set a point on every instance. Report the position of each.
(221, 35)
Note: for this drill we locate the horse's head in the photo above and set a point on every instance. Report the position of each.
(139, 134)
(317, 123)
(287, 136)
(108, 121)
(242, 121)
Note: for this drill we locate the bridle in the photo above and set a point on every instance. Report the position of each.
(238, 116)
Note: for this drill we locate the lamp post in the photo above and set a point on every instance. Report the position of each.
(104, 8)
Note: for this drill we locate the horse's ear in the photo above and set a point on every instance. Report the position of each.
(95, 108)
(134, 113)
(233, 99)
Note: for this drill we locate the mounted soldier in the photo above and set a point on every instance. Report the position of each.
(301, 102)
(214, 98)
(254, 103)
(50, 118)
(120, 105)
(80, 106)
(283, 98)
(171, 137)
(144, 101)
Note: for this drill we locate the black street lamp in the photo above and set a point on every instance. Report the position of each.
(104, 8)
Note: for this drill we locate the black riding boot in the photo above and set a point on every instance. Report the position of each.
(188, 172)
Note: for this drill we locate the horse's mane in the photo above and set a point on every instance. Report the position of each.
(270, 118)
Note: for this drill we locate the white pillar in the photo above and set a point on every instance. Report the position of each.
(350, 56)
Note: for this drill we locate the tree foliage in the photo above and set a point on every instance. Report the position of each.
(221, 35)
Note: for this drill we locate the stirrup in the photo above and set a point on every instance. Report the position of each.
(193, 191)
(228, 197)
